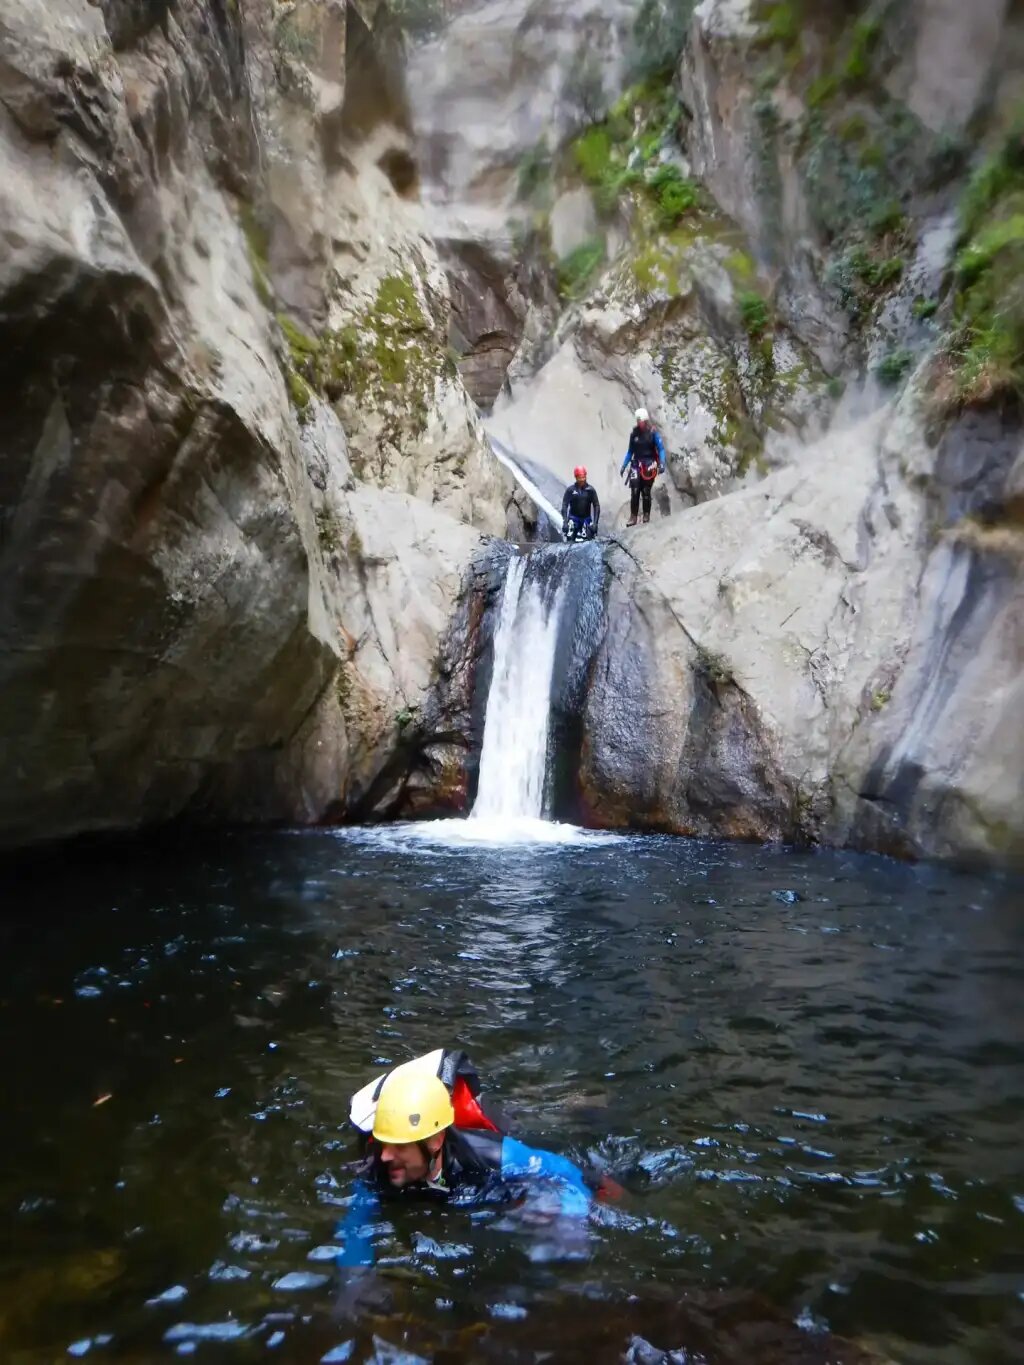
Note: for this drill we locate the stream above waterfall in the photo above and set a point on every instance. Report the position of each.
(806, 1069)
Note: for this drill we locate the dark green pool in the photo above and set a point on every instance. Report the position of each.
(807, 1070)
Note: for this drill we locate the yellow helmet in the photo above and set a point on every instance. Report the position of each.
(413, 1104)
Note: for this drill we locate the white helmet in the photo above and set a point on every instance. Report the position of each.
(642, 415)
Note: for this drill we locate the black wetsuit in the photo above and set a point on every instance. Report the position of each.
(476, 1166)
(471, 1164)
(582, 505)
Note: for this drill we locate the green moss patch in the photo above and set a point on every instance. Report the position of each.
(781, 22)
(659, 263)
(257, 244)
(612, 157)
(674, 195)
(576, 270)
(856, 63)
(895, 366)
(987, 344)
(755, 313)
(388, 357)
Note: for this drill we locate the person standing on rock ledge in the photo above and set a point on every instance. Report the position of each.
(645, 460)
(581, 508)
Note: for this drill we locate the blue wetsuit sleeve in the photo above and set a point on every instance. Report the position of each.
(625, 462)
(519, 1162)
(661, 450)
(353, 1230)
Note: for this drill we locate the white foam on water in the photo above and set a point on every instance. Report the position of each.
(441, 835)
(506, 831)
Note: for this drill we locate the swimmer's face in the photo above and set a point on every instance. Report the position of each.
(405, 1162)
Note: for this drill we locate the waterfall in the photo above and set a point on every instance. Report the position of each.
(530, 478)
(514, 757)
(549, 622)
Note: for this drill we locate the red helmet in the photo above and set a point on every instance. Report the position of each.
(580, 472)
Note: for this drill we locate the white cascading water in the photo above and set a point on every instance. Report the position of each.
(505, 456)
(513, 760)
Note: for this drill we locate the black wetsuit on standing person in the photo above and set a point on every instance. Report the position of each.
(581, 504)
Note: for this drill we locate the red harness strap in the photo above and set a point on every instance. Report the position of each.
(468, 1113)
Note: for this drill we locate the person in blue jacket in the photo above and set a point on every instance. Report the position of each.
(422, 1149)
(645, 460)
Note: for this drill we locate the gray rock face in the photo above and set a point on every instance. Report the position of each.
(244, 489)
(204, 610)
(845, 139)
(833, 655)
(505, 78)
(338, 234)
(728, 406)
(827, 646)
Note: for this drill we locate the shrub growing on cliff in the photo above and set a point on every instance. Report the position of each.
(577, 269)
(755, 313)
(894, 366)
(611, 155)
(999, 176)
(988, 345)
(603, 166)
(861, 275)
(781, 22)
(857, 63)
(674, 195)
(593, 153)
(924, 309)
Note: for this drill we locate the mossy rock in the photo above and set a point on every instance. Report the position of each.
(576, 270)
(610, 157)
(388, 357)
(987, 344)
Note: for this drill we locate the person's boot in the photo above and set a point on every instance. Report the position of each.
(647, 517)
(631, 521)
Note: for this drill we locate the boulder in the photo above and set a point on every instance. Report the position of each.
(832, 655)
